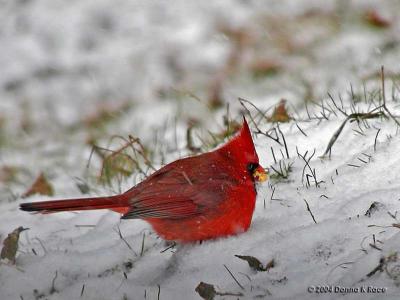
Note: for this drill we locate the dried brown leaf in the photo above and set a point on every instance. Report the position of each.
(206, 291)
(255, 264)
(10, 245)
(372, 17)
(265, 67)
(280, 113)
(41, 186)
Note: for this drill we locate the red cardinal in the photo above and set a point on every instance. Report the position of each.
(195, 198)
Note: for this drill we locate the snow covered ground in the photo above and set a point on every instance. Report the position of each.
(76, 73)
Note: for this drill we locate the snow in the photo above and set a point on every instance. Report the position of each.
(63, 60)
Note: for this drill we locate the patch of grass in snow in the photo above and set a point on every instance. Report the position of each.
(281, 171)
(132, 156)
(379, 110)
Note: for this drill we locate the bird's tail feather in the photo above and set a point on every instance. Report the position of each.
(117, 203)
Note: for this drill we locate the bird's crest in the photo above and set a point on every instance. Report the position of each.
(241, 146)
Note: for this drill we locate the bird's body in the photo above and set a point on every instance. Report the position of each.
(195, 198)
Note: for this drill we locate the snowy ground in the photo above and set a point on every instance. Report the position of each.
(76, 73)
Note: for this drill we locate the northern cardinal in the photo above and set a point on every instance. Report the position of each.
(195, 198)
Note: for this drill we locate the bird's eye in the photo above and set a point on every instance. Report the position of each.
(252, 166)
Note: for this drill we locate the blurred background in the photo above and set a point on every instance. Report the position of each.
(76, 73)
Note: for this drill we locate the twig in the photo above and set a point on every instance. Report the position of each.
(375, 247)
(369, 156)
(124, 240)
(83, 289)
(335, 137)
(169, 247)
(279, 173)
(337, 107)
(301, 130)
(53, 289)
(259, 131)
(309, 210)
(308, 113)
(363, 161)
(307, 164)
(393, 215)
(258, 110)
(354, 166)
(272, 194)
(273, 154)
(380, 266)
(352, 117)
(238, 283)
(142, 248)
(284, 142)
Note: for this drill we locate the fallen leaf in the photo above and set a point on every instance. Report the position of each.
(280, 113)
(375, 206)
(206, 291)
(10, 245)
(373, 18)
(264, 67)
(41, 186)
(255, 264)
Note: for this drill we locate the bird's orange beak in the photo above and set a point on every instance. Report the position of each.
(260, 174)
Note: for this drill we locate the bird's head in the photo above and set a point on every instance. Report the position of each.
(243, 153)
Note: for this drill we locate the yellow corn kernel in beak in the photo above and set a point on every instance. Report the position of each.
(260, 174)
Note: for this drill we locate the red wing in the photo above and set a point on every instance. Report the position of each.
(174, 194)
